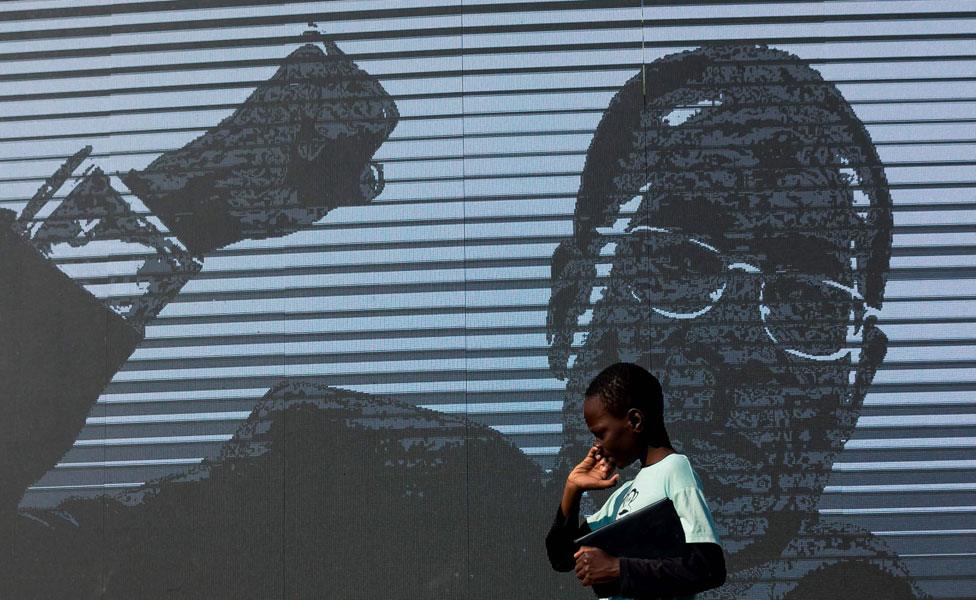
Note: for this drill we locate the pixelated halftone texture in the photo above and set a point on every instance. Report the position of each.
(95, 211)
(823, 549)
(298, 147)
(26, 220)
(754, 201)
(321, 493)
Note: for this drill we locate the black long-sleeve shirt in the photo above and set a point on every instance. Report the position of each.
(698, 567)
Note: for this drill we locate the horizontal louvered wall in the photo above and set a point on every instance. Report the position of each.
(437, 292)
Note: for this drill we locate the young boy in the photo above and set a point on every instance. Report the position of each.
(624, 409)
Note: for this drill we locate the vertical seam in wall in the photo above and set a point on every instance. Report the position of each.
(464, 316)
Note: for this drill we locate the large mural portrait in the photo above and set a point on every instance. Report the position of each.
(302, 300)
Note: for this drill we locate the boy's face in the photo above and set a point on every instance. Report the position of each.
(618, 437)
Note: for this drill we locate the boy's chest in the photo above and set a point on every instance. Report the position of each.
(638, 494)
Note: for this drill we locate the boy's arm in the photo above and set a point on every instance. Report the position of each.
(566, 528)
(594, 472)
(699, 567)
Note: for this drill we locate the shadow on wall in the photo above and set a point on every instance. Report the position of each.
(321, 493)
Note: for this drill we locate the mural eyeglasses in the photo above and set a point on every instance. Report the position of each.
(681, 277)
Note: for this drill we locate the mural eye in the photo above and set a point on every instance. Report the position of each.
(677, 274)
(807, 315)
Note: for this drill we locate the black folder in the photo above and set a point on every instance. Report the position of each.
(653, 531)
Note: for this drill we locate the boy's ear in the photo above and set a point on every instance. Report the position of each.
(636, 419)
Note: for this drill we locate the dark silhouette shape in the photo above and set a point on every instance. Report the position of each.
(837, 581)
(298, 147)
(321, 493)
(94, 211)
(760, 241)
(50, 186)
(60, 347)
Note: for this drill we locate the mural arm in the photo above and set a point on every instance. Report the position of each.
(312, 128)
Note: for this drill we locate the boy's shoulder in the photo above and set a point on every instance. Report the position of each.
(676, 460)
(671, 463)
(675, 471)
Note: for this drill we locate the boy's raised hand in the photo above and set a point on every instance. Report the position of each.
(595, 472)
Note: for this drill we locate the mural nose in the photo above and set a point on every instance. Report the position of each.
(733, 329)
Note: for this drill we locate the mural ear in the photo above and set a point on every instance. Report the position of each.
(573, 274)
(873, 350)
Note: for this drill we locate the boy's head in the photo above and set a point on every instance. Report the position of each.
(624, 409)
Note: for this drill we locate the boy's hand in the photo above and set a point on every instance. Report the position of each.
(595, 472)
(595, 566)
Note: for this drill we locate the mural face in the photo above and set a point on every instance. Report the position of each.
(742, 217)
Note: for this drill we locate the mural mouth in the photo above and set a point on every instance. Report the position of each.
(756, 427)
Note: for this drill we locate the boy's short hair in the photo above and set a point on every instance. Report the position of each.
(623, 386)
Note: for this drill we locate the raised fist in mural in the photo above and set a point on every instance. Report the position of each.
(300, 145)
(319, 489)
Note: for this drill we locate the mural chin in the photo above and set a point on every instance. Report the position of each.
(763, 426)
(764, 437)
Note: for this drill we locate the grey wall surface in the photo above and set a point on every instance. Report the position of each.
(436, 292)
